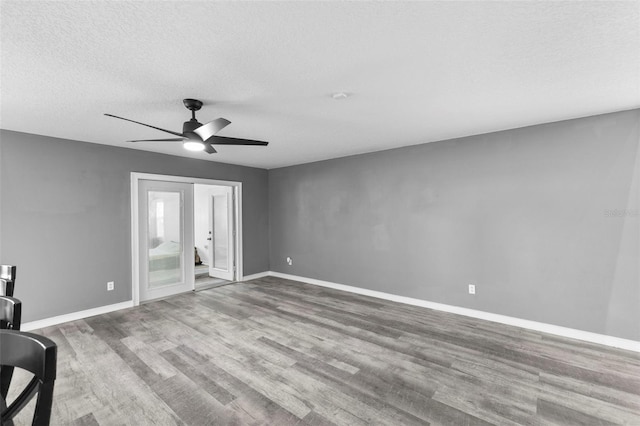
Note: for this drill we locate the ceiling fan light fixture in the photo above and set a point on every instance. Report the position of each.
(193, 146)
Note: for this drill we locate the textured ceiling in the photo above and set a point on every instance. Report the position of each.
(416, 71)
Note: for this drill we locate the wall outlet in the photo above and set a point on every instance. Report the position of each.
(472, 289)
(289, 261)
(110, 285)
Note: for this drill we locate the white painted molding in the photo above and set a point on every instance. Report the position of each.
(47, 322)
(557, 330)
(256, 276)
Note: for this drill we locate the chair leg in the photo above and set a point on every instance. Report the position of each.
(5, 381)
(42, 413)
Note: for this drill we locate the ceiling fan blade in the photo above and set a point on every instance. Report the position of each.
(211, 128)
(160, 140)
(209, 149)
(224, 140)
(148, 125)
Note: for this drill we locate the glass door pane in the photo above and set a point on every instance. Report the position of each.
(221, 232)
(164, 233)
(222, 246)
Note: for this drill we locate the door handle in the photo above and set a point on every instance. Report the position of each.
(209, 239)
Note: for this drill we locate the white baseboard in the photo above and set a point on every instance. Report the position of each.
(557, 330)
(256, 276)
(47, 322)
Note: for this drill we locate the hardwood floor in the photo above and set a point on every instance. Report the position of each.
(204, 283)
(278, 352)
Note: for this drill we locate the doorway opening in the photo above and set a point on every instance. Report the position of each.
(214, 229)
(176, 221)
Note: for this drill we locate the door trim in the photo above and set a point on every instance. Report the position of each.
(135, 243)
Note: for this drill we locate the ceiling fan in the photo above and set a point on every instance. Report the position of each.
(196, 136)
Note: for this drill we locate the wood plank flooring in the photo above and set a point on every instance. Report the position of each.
(278, 352)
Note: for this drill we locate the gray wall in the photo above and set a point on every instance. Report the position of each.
(544, 220)
(65, 218)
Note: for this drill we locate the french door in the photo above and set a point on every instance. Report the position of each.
(166, 251)
(222, 235)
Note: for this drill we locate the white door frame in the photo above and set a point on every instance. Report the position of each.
(135, 243)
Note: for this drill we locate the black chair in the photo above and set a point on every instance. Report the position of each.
(38, 355)
(7, 280)
(10, 313)
(8, 272)
(10, 317)
(6, 287)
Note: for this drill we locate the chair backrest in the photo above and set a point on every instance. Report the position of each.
(10, 318)
(7, 279)
(10, 313)
(6, 287)
(8, 272)
(38, 355)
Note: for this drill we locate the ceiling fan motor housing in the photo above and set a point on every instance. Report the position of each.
(190, 126)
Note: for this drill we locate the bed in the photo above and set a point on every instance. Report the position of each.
(165, 256)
